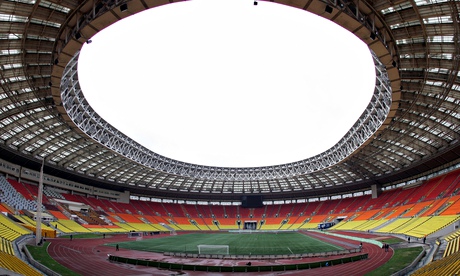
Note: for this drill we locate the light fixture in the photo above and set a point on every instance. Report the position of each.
(328, 9)
(124, 7)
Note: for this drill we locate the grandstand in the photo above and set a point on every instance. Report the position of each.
(396, 172)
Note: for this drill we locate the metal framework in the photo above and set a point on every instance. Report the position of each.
(98, 129)
(416, 41)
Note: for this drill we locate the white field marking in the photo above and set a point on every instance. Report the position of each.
(71, 249)
(339, 248)
(290, 250)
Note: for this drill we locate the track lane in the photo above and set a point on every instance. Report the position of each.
(89, 257)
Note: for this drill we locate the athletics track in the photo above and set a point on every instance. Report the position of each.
(89, 257)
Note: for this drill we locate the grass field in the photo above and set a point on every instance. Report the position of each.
(239, 244)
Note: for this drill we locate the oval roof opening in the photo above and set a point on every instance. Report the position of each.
(227, 83)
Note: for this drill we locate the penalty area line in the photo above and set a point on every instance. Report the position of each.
(290, 250)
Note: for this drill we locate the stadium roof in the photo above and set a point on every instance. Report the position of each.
(43, 114)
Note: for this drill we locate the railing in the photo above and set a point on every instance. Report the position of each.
(262, 257)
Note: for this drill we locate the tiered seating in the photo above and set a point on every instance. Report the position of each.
(410, 211)
(209, 222)
(453, 244)
(319, 218)
(158, 209)
(33, 190)
(217, 210)
(285, 210)
(14, 264)
(189, 210)
(5, 208)
(272, 224)
(386, 199)
(58, 214)
(449, 265)
(104, 228)
(244, 213)
(432, 225)
(393, 225)
(259, 212)
(126, 227)
(302, 209)
(367, 214)
(420, 192)
(51, 193)
(70, 226)
(437, 188)
(231, 211)
(32, 226)
(348, 225)
(111, 206)
(20, 188)
(446, 185)
(309, 225)
(173, 209)
(419, 208)
(402, 197)
(13, 198)
(436, 207)
(126, 208)
(392, 213)
(26, 220)
(10, 230)
(144, 227)
(227, 223)
(96, 204)
(204, 210)
(454, 207)
(342, 206)
(142, 207)
(129, 218)
(410, 225)
(91, 217)
(6, 246)
(370, 224)
(326, 207)
(72, 197)
(184, 224)
(270, 211)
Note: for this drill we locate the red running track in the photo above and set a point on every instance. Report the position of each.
(89, 257)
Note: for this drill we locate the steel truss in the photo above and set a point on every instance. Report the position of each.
(101, 131)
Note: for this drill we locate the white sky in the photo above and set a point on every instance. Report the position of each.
(227, 83)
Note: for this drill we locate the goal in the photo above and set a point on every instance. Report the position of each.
(213, 249)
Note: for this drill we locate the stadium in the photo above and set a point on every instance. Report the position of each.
(105, 203)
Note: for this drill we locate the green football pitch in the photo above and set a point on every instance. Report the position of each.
(239, 244)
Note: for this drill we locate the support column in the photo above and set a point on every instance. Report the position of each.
(38, 232)
(376, 190)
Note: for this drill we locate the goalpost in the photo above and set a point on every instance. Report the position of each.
(213, 249)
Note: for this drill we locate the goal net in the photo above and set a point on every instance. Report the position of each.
(213, 249)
